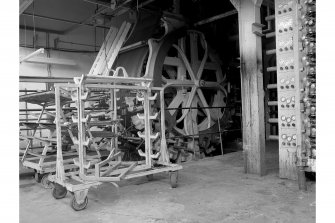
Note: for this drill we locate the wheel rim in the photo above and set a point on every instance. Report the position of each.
(59, 192)
(77, 206)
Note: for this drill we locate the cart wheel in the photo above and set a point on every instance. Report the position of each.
(150, 177)
(76, 206)
(174, 179)
(37, 177)
(59, 192)
(45, 181)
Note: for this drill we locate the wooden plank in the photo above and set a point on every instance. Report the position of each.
(102, 163)
(123, 174)
(121, 37)
(100, 59)
(252, 89)
(111, 168)
(153, 171)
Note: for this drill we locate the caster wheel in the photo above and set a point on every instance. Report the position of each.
(59, 192)
(78, 207)
(174, 179)
(45, 182)
(150, 177)
(37, 177)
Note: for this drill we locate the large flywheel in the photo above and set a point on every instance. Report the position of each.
(182, 62)
(193, 79)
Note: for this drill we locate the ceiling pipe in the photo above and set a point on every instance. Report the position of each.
(63, 20)
(115, 11)
(104, 4)
(101, 10)
(217, 17)
(41, 30)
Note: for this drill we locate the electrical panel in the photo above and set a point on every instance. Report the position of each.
(295, 51)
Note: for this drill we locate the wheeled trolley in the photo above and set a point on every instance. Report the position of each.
(113, 169)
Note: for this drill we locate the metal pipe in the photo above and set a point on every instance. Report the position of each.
(199, 134)
(41, 30)
(100, 3)
(60, 49)
(102, 10)
(217, 17)
(28, 91)
(45, 79)
(79, 44)
(199, 107)
(64, 20)
(133, 46)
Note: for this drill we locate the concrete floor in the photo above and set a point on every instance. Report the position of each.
(210, 190)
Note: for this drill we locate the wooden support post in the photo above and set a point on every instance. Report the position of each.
(60, 173)
(252, 88)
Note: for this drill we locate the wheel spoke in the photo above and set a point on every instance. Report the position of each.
(186, 62)
(204, 59)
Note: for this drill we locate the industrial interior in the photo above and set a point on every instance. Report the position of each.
(167, 111)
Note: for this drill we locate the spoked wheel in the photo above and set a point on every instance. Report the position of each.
(194, 72)
(150, 177)
(59, 192)
(45, 181)
(174, 179)
(78, 207)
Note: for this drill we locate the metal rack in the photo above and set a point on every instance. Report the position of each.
(43, 159)
(93, 171)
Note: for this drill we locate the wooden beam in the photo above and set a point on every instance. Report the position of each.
(252, 89)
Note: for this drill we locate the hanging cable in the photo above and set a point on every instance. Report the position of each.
(34, 44)
(25, 33)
